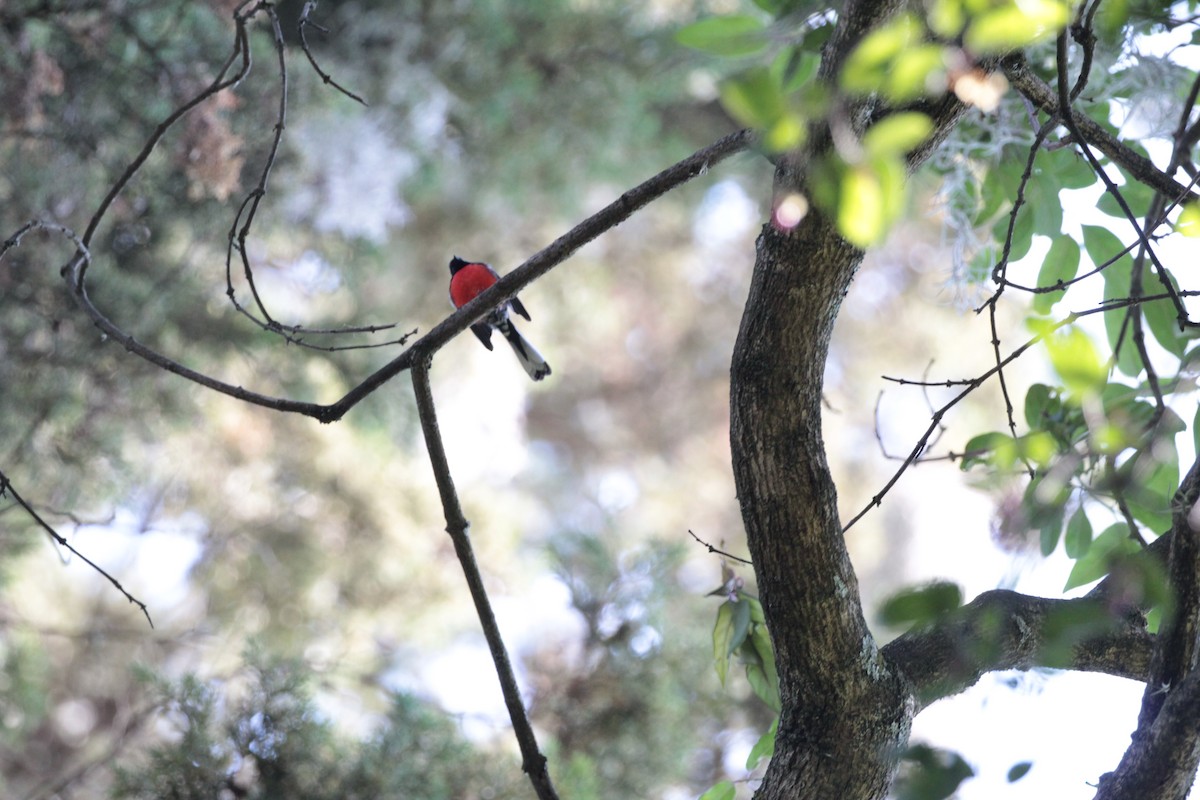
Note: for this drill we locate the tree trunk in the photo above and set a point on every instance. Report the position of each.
(845, 715)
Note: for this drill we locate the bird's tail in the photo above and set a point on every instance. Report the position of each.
(527, 354)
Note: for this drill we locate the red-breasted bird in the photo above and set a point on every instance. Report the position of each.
(467, 280)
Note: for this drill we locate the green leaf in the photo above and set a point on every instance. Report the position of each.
(725, 790)
(764, 747)
(730, 35)
(793, 68)
(1196, 430)
(741, 624)
(1022, 236)
(1011, 27)
(1189, 220)
(867, 68)
(1044, 205)
(756, 610)
(1093, 565)
(753, 98)
(920, 605)
(870, 197)
(934, 775)
(1153, 478)
(1101, 245)
(1061, 265)
(1163, 319)
(1051, 529)
(1079, 534)
(1044, 501)
(989, 448)
(1077, 362)
(722, 636)
(760, 640)
(897, 134)
(1135, 194)
(1038, 399)
(1019, 771)
(916, 72)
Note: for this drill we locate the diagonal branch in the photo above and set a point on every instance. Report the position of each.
(1142, 169)
(533, 762)
(6, 488)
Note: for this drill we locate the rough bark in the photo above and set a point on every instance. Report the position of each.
(845, 715)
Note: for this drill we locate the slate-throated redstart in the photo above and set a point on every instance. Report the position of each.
(467, 280)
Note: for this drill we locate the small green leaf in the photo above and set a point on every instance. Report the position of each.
(1079, 534)
(916, 72)
(1189, 220)
(1019, 771)
(1022, 235)
(1102, 245)
(764, 747)
(1077, 362)
(988, 448)
(1061, 265)
(760, 640)
(1136, 195)
(869, 63)
(722, 636)
(793, 68)
(860, 207)
(725, 790)
(1038, 400)
(1163, 319)
(753, 98)
(870, 197)
(741, 624)
(934, 775)
(1011, 27)
(897, 134)
(730, 35)
(920, 605)
(1092, 566)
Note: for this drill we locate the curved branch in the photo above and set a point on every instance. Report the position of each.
(542, 262)
(1001, 630)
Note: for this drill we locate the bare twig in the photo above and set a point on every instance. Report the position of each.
(6, 488)
(719, 551)
(305, 22)
(533, 762)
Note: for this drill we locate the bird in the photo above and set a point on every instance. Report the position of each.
(467, 280)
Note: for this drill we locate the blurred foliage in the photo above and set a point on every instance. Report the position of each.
(273, 742)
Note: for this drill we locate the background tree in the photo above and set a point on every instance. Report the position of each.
(847, 102)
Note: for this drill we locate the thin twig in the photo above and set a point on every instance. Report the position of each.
(6, 488)
(719, 551)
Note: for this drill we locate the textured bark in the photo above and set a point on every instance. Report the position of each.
(845, 715)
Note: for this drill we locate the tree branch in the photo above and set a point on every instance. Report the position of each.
(1001, 630)
(542, 262)
(1140, 168)
(533, 762)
